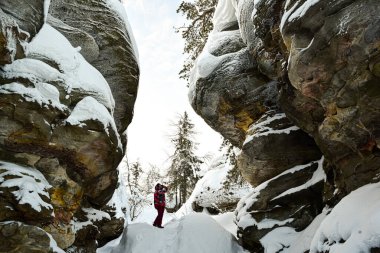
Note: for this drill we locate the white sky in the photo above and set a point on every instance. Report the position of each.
(162, 95)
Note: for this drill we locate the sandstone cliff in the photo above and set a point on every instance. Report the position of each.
(293, 84)
(68, 82)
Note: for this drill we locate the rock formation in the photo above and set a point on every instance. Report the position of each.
(211, 192)
(67, 90)
(293, 85)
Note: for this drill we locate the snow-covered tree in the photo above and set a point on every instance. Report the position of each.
(234, 175)
(136, 199)
(183, 172)
(152, 178)
(199, 13)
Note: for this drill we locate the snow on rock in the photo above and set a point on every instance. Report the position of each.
(46, 9)
(77, 72)
(206, 62)
(209, 191)
(243, 215)
(225, 12)
(90, 109)
(119, 200)
(353, 224)
(33, 70)
(44, 94)
(262, 127)
(192, 233)
(318, 176)
(120, 9)
(92, 216)
(96, 215)
(28, 185)
(288, 240)
(53, 244)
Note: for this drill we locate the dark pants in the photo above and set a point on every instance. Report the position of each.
(158, 221)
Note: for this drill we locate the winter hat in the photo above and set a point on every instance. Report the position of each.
(157, 187)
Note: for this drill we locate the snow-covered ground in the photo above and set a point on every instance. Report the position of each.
(353, 224)
(192, 233)
(184, 232)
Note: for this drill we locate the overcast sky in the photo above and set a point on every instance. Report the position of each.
(162, 95)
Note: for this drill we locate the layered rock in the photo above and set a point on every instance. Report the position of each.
(17, 237)
(237, 96)
(114, 53)
(273, 145)
(290, 200)
(300, 86)
(61, 135)
(333, 70)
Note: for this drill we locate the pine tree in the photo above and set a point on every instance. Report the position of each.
(184, 170)
(136, 199)
(134, 174)
(234, 176)
(152, 178)
(195, 34)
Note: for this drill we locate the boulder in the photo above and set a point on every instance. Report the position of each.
(259, 23)
(273, 145)
(24, 194)
(12, 39)
(17, 237)
(30, 15)
(62, 122)
(19, 27)
(333, 96)
(226, 88)
(94, 228)
(113, 54)
(291, 199)
(48, 117)
(78, 38)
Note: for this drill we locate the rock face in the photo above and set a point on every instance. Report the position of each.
(22, 238)
(62, 117)
(113, 53)
(341, 79)
(292, 82)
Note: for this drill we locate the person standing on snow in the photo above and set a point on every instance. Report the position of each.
(159, 203)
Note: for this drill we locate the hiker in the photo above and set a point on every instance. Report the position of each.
(159, 203)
